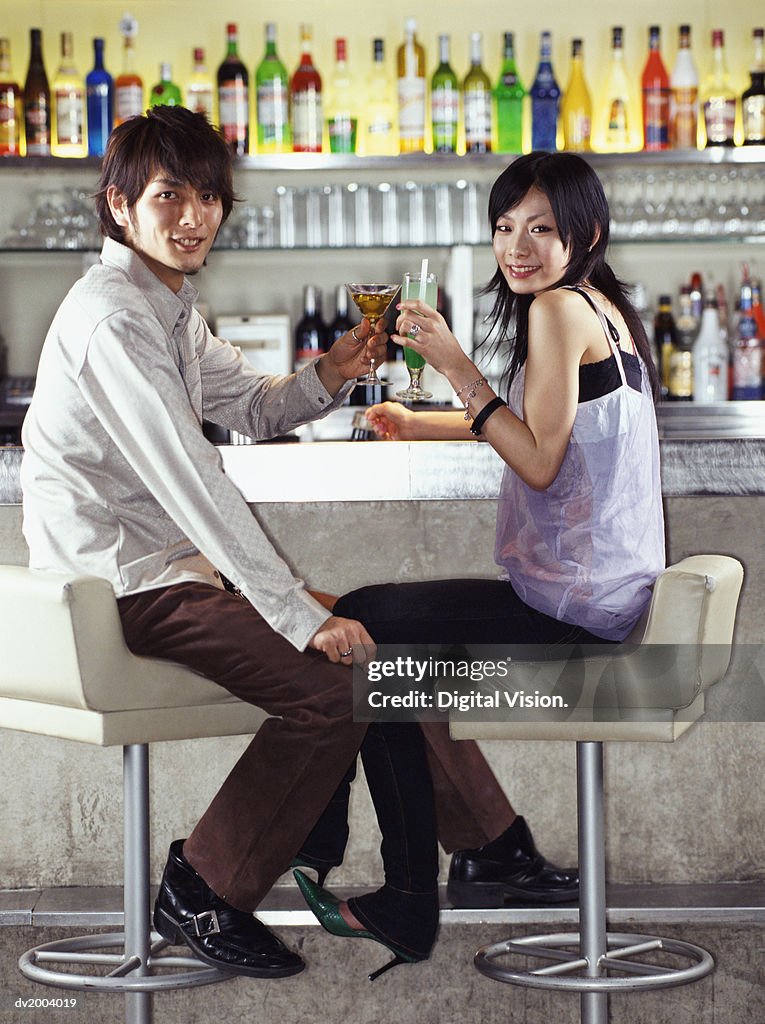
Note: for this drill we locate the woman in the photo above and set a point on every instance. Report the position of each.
(580, 527)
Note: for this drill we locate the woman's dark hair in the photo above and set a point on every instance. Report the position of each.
(171, 139)
(580, 208)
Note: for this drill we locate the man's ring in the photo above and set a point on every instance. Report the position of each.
(346, 654)
(414, 330)
(355, 336)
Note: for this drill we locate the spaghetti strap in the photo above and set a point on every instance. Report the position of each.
(609, 329)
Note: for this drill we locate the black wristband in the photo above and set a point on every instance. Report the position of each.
(483, 415)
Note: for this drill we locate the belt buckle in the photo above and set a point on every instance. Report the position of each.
(206, 923)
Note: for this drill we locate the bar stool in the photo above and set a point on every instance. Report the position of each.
(66, 672)
(650, 689)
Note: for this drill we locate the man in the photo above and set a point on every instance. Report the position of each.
(119, 482)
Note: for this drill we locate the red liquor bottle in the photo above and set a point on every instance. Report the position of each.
(656, 95)
(305, 95)
(233, 96)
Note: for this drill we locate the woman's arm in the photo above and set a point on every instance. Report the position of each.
(392, 421)
(535, 445)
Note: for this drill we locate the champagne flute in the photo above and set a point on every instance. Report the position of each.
(422, 286)
(372, 300)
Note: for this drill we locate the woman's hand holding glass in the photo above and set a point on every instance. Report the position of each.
(432, 338)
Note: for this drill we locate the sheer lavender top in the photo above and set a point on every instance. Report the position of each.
(588, 548)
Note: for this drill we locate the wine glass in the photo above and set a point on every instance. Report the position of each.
(414, 287)
(371, 301)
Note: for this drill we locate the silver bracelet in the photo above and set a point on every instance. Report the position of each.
(471, 393)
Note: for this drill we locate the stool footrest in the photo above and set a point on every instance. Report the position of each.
(185, 971)
(562, 973)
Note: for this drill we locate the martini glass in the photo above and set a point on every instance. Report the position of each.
(371, 301)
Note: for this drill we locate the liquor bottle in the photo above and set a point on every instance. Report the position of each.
(233, 96)
(697, 296)
(476, 99)
(545, 99)
(68, 105)
(665, 338)
(680, 377)
(411, 91)
(37, 113)
(272, 99)
(11, 106)
(444, 102)
(576, 106)
(200, 91)
(311, 331)
(341, 322)
(655, 86)
(753, 100)
(380, 121)
(747, 351)
(128, 85)
(719, 99)
(342, 107)
(710, 357)
(99, 89)
(508, 99)
(165, 93)
(758, 312)
(683, 95)
(618, 130)
(305, 94)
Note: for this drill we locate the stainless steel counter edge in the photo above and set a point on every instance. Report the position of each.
(436, 470)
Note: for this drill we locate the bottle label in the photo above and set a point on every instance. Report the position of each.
(9, 125)
(618, 124)
(233, 111)
(273, 112)
(753, 116)
(306, 121)
(577, 130)
(683, 118)
(38, 129)
(656, 118)
(445, 108)
(477, 119)
(69, 119)
(128, 101)
(747, 370)
(719, 118)
(411, 108)
(680, 373)
(342, 133)
(200, 100)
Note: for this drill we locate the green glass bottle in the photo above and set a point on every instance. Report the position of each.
(508, 98)
(272, 92)
(444, 102)
(165, 93)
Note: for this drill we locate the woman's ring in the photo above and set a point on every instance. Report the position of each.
(414, 330)
(346, 654)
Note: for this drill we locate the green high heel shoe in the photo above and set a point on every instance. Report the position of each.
(326, 908)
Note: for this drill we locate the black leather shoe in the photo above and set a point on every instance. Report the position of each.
(187, 910)
(508, 869)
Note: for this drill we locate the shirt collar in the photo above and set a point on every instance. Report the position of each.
(169, 306)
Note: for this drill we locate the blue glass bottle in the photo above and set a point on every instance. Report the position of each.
(545, 100)
(99, 88)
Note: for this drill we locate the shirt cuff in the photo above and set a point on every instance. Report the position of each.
(316, 393)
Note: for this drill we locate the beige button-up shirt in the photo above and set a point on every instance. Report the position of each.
(118, 480)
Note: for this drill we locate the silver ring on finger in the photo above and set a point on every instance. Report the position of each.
(346, 654)
(414, 330)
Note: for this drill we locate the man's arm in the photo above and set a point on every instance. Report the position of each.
(134, 388)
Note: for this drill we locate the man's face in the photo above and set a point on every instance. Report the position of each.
(172, 226)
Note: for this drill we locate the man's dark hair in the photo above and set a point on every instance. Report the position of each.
(171, 139)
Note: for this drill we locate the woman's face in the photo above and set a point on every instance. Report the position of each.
(527, 246)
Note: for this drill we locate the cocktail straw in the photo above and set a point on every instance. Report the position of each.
(423, 278)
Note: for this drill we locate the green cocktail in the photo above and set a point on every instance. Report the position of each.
(413, 287)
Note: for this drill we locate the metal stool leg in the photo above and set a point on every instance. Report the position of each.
(593, 941)
(135, 780)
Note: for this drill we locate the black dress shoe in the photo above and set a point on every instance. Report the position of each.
(508, 869)
(187, 910)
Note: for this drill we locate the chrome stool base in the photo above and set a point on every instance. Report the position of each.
(127, 974)
(570, 971)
